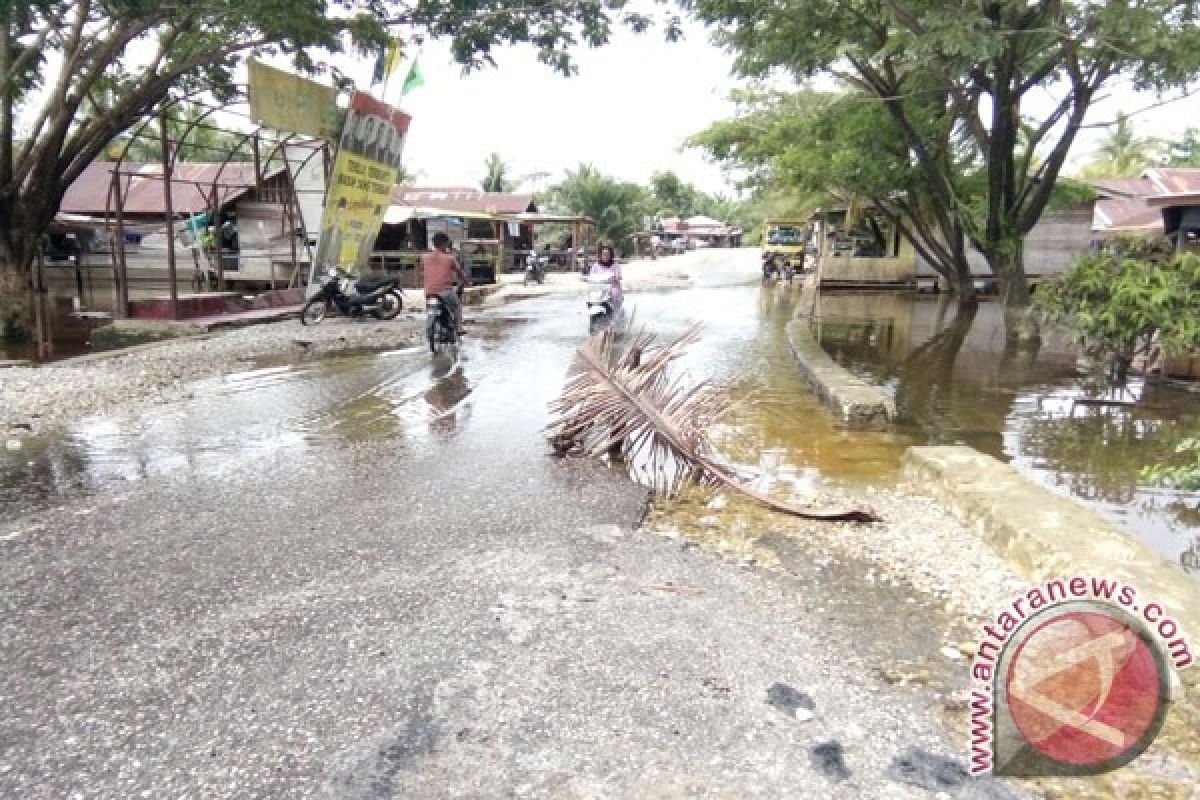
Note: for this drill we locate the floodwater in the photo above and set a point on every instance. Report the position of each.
(952, 382)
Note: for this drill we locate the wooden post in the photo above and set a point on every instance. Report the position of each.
(40, 323)
(170, 215)
(215, 222)
(122, 269)
(292, 207)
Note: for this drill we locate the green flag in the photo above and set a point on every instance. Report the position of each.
(414, 78)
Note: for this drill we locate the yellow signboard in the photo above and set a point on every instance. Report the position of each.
(288, 102)
(360, 191)
(360, 188)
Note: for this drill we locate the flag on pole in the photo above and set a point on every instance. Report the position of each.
(388, 61)
(413, 79)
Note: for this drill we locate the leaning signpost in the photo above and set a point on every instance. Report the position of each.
(370, 137)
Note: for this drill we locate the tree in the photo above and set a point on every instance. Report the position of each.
(496, 179)
(1122, 153)
(672, 197)
(617, 207)
(193, 136)
(1184, 151)
(58, 57)
(981, 61)
(843, 148)
(1131, 300)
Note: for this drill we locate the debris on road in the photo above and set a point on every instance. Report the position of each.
(626, 402)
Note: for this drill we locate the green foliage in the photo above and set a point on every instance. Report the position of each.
(190, 131)
(496, 179)
(127, 57)
(1122, 153)
(1184, 151)
(618, 207)
(1185, 475)
(953, 79)
(1125, 301)
(1070, 193)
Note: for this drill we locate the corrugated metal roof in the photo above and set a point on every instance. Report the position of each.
(463, 199)
(1133, 213)
(1124, 187)
(191, 187)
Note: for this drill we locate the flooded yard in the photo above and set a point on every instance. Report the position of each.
(954, 382)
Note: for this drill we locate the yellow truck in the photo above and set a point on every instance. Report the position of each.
(784, 243)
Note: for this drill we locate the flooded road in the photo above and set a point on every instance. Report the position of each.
(950, 388)
(364, 576)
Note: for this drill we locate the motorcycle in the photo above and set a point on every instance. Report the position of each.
(789, 272)
(354, 298)
(440, 330)
(535, 269)
(603, 304)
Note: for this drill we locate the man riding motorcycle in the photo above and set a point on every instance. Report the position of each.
(440, 268)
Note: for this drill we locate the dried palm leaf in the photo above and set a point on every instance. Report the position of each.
(627, 401)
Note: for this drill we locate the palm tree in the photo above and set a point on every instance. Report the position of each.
(617, 207)
(1122, 153)
(496, 179)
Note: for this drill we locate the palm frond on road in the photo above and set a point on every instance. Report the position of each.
(626, 400)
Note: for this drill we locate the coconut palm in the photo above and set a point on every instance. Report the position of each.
(1122, 153)
(496, 179)
(618, 208)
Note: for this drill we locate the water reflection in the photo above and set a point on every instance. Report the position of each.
(955, 380)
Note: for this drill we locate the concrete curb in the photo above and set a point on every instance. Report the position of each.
(1047, 536)
(857, 404)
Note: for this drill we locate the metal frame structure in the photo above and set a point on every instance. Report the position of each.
(217, 196)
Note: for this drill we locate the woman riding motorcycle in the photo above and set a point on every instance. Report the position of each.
(607, 265)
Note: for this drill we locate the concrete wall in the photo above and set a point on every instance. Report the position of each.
(1057, 240)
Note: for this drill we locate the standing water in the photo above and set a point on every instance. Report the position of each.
(953, 382)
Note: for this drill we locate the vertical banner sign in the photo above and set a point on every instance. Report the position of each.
(287, 102)
(360, 186)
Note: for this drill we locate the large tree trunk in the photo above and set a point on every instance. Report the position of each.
(1007, 261)
(16, 297)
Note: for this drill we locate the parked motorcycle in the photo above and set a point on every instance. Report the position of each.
(603, 304)
(440, 330)
(354, 298)
(535, 269)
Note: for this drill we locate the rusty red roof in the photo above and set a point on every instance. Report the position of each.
(191, 187)
(463, 199)
(1174, 180)
(1123, 187)
(1126, 213)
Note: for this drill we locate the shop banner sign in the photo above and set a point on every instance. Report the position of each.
(288, 102)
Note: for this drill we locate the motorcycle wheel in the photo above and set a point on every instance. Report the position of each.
(431, 333)
(314, 311)
(389, 305)
(525, 280)
(541, 278)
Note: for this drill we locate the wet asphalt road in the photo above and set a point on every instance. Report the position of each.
(365, 578)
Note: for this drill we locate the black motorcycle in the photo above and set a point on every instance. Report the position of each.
(535, 269)
(439, 325)
(340, 291)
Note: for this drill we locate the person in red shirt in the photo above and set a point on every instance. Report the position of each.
(440, 269)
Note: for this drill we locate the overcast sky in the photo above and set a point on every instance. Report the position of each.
(628, 111)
